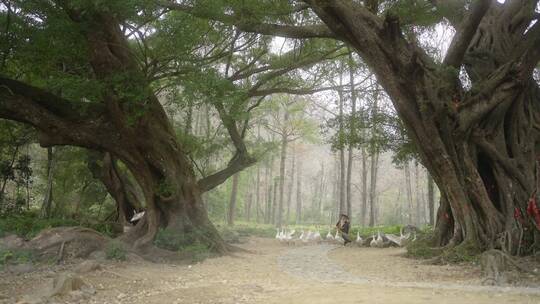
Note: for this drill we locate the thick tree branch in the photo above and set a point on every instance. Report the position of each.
(282, 30)
(59, 122)
(238, 163)
(465, 33)
(292, 91)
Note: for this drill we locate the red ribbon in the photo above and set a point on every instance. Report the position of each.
(533, 211)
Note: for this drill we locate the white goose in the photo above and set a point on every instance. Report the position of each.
(136, 216)
(329, 236)
(338, 238)
(373, 242)
(379, 240)
(359, 241)
(400, 240)
(317, 236)
(289, 236)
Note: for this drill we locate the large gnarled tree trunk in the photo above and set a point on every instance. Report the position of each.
(135, 131)
(479, 144)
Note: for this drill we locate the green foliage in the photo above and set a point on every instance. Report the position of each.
(16, 256)
(423, 248)
(28, 224)
(414, 12)
(115, 251)
(465, 252)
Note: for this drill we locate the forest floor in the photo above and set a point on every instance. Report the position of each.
(275, 273)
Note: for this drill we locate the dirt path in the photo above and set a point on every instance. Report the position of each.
(279, 274)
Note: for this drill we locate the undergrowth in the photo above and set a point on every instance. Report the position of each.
(15, 256)
(29, 224)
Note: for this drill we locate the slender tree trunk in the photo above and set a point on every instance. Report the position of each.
(269, 196)
(275, 202)
(431, 200)
(258, 183)
(299, 192)
(48, 197)
(336, 182)
(342, 207)
(408, 191)
(373, 187)
(283, 160)
(248, 204)
(258, 194)
(189, 119)
(418, 212)
(364, 186)
(290, 190)
(352, 136)
(232, 201)
(322, 188)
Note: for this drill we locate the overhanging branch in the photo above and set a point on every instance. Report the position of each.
(59, 121)
(465, 33)
(251, 26)
(238, 163)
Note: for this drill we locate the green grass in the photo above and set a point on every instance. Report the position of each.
(29, 224)
(16, 256)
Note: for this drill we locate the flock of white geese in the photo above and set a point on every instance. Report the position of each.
(381, 240)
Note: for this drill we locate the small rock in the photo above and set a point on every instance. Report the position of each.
(87, 266)
(121, 296)
(65, 283)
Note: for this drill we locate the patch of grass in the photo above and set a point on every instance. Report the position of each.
(16, 256)
(422, 248)
(115, 251)
(467, 252)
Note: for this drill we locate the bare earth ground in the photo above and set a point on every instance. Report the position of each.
(275, 273)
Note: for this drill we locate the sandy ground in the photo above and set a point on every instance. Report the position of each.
(274, 273)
